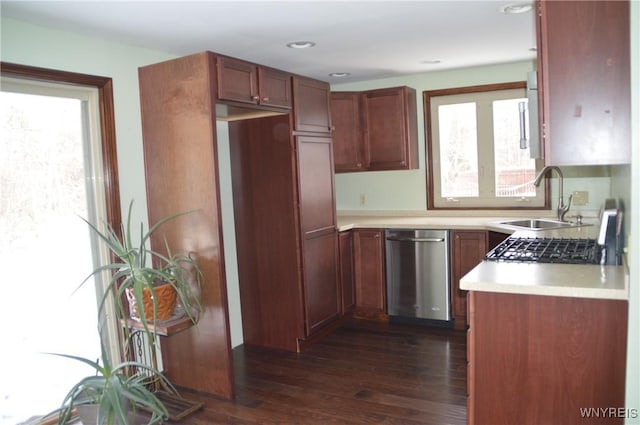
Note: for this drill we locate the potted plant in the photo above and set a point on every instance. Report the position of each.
(114, 393)
(142, 276)
(145, 277)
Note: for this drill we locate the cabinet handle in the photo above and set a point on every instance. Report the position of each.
(522, 110)
(377, 235)
(254, 97)
(265, 99)
(389, 238)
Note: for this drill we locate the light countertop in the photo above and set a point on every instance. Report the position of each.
(566, 280)
(563, 280)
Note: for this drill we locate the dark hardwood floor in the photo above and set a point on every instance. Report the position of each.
(363, 373)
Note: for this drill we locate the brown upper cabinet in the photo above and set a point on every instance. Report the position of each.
(311, 106)
(245, 82)
(348, 140)
(584, 81)
(375, 129)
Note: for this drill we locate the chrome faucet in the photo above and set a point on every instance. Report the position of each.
(562, 208)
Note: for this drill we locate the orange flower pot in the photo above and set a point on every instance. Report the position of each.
(165, 301)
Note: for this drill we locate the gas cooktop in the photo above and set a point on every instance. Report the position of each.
(546, 250)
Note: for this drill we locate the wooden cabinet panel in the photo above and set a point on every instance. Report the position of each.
(182, 174)
(369, 271)
(375, 129)
(348, 140)
(584, 81)
(541, 359)
(267, 234)
(286, 235)
(390, 129)
(315, 168)
(346, 271)
(275, 88)
(468, 250)
(321, 289)
(311, 105)
(237, 80)
(245, 82)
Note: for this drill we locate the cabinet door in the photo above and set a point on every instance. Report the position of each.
(237, 80)
(311, 105)
(346, 271)
(316, 189)
(369, 271)
(469, 248)
(275, 88)
(390, 129)
(348, 140)
(585, 81)
(321, 290)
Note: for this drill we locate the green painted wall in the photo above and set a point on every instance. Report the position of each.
(33, 45)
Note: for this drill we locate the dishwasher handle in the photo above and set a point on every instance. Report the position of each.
(393, 238)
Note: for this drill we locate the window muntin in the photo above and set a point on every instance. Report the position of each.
(474, 150)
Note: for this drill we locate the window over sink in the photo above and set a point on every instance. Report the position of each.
(474, 153)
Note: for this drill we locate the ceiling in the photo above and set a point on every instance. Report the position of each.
(368, 39)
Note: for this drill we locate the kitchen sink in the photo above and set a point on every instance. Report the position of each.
(537, 224)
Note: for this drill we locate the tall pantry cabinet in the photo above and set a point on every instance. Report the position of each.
(285, 221)
(284, 208)
(179, 135)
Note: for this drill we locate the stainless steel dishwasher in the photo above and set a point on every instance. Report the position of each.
(417, 264)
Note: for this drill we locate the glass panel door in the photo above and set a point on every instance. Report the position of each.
(46, 251)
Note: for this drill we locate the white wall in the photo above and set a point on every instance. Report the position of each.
(633, 223)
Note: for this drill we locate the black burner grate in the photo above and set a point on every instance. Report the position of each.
(546, 250)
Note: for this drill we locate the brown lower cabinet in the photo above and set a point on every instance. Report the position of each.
(544, 360)
(468, 248)
(346, 272)
(369, 273)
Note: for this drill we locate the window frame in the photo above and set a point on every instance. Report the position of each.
(429, 148)
(108, 152)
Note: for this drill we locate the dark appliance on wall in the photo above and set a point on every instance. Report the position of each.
(610, 236)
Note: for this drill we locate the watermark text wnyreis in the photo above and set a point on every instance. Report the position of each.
(608, 412)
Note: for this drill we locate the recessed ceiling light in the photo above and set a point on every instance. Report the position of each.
(431, 61)
(515, 8)
(301, 44)
(339, 74)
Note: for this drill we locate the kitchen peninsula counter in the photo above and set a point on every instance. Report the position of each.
(564, 280)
